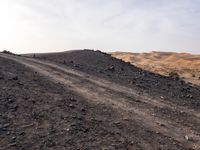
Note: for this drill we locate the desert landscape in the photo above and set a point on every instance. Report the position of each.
(99, 75)
(185, 65)
(87, 99)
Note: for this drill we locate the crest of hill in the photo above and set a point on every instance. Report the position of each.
(105, 66)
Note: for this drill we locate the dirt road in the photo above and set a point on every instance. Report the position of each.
(177, 126)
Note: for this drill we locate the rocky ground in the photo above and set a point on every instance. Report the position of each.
(90, 100)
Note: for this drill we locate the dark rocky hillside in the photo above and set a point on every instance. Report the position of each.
(89, 100)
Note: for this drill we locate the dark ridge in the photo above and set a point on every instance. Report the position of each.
(7, 52)
(105, 66)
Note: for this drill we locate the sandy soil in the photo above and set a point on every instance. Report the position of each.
(185, 64)
(88, 100)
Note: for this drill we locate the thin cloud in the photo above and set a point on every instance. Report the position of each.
(109, 25)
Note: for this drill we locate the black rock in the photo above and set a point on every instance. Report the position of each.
(112, 69)
(83, 109)
(15, 78)
(71, 106)
(19, 83)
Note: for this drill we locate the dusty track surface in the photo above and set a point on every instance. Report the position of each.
(54, 106)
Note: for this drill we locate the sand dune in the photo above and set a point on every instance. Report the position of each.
(186, 65)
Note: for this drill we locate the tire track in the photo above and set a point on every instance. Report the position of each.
(96, 93)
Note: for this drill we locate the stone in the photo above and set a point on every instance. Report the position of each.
(186, 137)
(71, 105)
(83, 109)
(15, 78)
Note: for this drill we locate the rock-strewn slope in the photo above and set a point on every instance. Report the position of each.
(90, 100)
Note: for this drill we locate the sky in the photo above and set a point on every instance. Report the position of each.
(28, 26)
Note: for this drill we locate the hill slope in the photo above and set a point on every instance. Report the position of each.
(90, 100)
(185, 64)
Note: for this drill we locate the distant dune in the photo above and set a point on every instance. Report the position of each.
(186, 65)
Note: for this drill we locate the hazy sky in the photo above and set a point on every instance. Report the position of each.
(109, 25)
